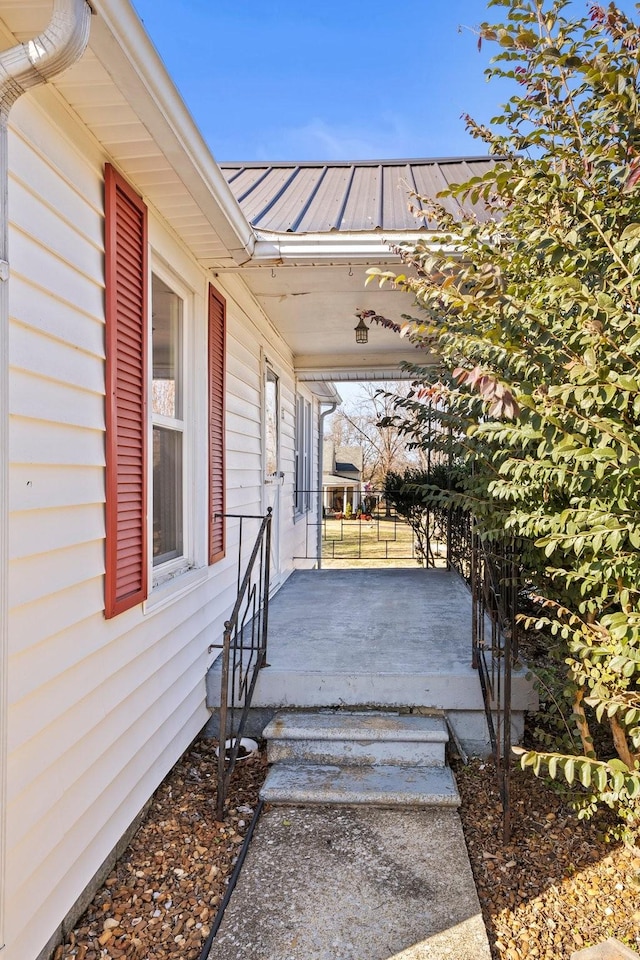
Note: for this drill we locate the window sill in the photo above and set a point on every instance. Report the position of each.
(174, 587)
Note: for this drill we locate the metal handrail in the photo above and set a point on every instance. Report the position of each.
(495, 597)
(244, 651)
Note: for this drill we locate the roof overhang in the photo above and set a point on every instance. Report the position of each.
(340, 480)
(123, 94)
(323, 390)
(319, 225)
(308, 280)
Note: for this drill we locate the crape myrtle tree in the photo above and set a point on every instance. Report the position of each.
(533, 307)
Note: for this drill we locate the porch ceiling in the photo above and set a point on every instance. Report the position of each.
(314, 309)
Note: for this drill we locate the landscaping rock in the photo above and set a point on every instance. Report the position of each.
(608, 950)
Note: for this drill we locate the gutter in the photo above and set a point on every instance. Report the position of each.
(332, 247)
(22, 67)
(330, 408)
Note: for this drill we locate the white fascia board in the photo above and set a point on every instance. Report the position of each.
(352, 374)
(335, 247)
(121, 43)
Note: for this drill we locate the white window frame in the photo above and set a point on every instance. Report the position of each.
(174, 569)
(271, 376)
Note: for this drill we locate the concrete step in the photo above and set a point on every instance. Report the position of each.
(376, 786)
(343, 737)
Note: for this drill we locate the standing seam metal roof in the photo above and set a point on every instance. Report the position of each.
(360, 196)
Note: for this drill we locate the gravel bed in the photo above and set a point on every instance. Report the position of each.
(558, 887)
(162, 895)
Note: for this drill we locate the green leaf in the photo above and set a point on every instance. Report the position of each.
(632, 230)
(569, 770)
(585, 774)
(600, 779)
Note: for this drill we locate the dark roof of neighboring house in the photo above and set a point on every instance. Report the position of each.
(364, 195)
(347, 468)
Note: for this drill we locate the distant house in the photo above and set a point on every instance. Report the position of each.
(342, 481)
(170, 333)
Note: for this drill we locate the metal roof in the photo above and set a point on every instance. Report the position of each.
(360, 196)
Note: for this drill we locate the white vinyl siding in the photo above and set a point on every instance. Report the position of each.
(56, 522)
(99, 710)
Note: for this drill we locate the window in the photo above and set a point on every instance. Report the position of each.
(167, 415)
(151, 513)
(303, 455)
(271, 425)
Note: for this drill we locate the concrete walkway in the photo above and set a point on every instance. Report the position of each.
(354, 884)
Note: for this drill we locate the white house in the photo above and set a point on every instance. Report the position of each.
(342, 480)
(169, 335)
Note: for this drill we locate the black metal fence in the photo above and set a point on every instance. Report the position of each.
(362, 526)
(459, 539)
(244, 650)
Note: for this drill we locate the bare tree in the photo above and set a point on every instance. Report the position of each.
(357, 423)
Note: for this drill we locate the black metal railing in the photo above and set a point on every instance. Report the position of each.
(459, 538)
(361, 525)
(244, 650)
(492, 571)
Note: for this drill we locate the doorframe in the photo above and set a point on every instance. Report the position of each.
(271, 486)
(4, 588)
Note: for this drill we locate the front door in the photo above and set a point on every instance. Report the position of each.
(273, 475)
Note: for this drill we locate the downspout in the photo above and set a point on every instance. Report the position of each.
(323, 413)
(22, 67)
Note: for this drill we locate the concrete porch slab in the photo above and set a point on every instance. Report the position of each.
(349, 884)
(390, 639)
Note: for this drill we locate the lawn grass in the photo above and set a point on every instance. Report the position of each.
(381, 542)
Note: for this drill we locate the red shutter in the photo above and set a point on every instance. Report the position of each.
(217, 337)
(126, 401)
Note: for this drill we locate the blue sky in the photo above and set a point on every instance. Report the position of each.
(292, 80)
(335, 80)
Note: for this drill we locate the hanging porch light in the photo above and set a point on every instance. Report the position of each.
(362, 332)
